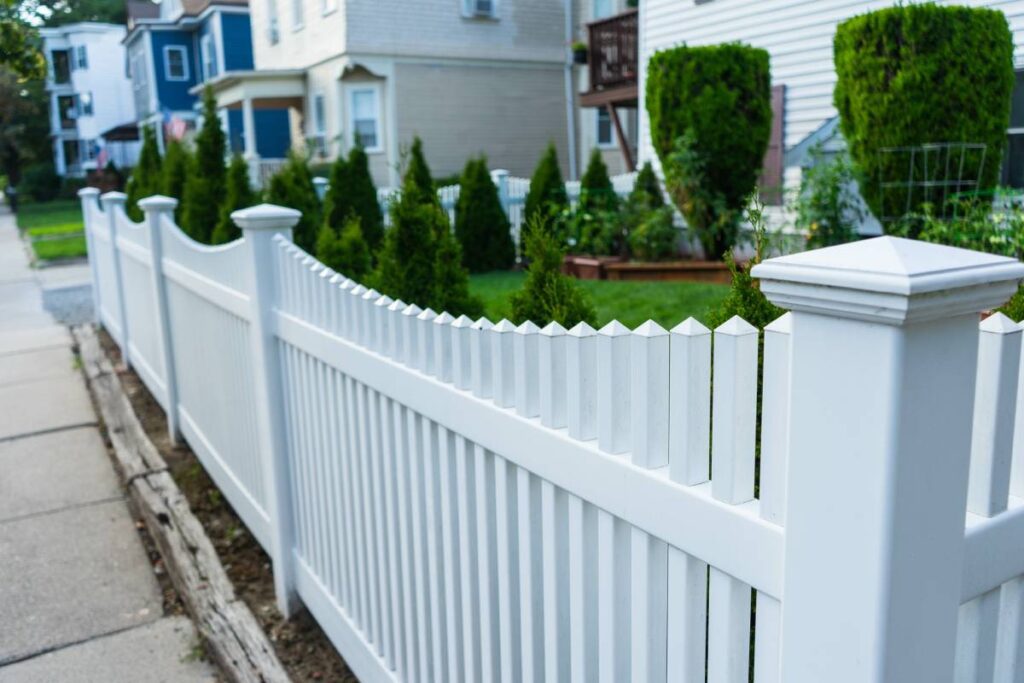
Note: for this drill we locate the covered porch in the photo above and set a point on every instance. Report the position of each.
(613, 72)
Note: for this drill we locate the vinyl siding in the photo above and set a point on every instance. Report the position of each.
(174, 95)
(237, 42)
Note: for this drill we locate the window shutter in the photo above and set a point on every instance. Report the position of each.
(770, 182)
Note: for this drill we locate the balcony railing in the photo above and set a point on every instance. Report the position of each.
(613, 51)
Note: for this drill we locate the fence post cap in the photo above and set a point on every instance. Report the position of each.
(266, 217)
(158, 202)
(889, 280)
(320, 180)
(113, 197)
(88, 192)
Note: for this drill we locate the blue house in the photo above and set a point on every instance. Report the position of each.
(174, 53)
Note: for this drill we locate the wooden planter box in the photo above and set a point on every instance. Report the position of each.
(588, 267)
(695, 271)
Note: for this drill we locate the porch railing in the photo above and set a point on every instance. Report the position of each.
(613, 51)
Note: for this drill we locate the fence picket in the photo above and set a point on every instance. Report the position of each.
(482, 371)
(527, 369)
(555, 570)
(613, 598)
(503, 359)
(425, 360)
(583, 590)
(452, 552)
(443, 347)
(581, 382)
(506, 519)
(462, 353)
(614, 386)
(486, 527)
(531, 587)
(552, 359)
(396, 326)
(411, 334)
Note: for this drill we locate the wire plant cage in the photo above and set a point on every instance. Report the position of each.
(933, 174)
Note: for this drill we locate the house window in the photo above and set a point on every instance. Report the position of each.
(175, 63)
(72, 154)
(81, 57)
(67, 111)
(209, 57)
(85, 104)
(364, 118)
(603, 8)
(319, 125)
(605, 136)
(1013, 159)
(61, 66)
(297, 18)
(480, 8)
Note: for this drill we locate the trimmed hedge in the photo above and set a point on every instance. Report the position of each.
(916, 74)
(719, 97)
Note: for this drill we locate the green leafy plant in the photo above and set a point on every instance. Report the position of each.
(40, 182)
(293, 187)
(177, 164)
(596, 233)
(644, 199)
(417, 178)
(546, 196)
(921, 73)
(596, 190)
(239, 196)
(205, 185)
(451, 279)
(352, 192)
(717, 100)
(827, 206)
(656, 238)
(146, 178)
(481, 226)
(547, 294)
(347, 252)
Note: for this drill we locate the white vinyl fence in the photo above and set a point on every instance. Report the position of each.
(457, 500)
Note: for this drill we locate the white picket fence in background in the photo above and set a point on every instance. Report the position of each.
(457, 500)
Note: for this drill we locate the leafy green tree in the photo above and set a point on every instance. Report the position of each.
(646, 190)
(239, 196)
(346, 253)
(596, 190)
(547, 195)
(19, 44)
(177, 164)
(24, 124)
(293, 187)
(146, 179)
(716, 99)
(205, 186)
(352, 192)
(922, 73)
(547, 294)
(481, 225)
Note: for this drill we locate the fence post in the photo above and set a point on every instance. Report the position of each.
(158, 208)
(89, 198)
(113, 202)
(499, 177)
(320, 184)
(884, 350)
(259, 225)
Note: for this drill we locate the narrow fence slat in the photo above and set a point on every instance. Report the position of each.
(360, 589)
(728, 629)
(415, 461)
(345, 304)
(351, 582)
(462, 354)
(583, 590)
(382, 603)
(555, 551)
(355, 308)
(503, 360)
(411, 334)
(649, 602)
(690, 403)
(530, 577)
(506, 519)
(552, 350)
(613, 597)
(435, 556)
(443, 347)
(734, 408)
(775, 419)
(581, 382)
(367, 321)
(1009, 666)
(649, 349)
(614, 388)
(767, 639)
(482, 372)
(977, 633)
(425, 361)
(401, 489)
(465, 473)
(382, 326)
(392, 597)
(396, 325)
(450, 539)
(527, 369)
(687, 616)
(486, 529)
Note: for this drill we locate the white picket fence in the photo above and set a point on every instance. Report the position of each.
(467, 501)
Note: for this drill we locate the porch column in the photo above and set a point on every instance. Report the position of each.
(249, 129)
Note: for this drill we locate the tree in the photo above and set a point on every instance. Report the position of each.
(710, 113)
(176, 166)
(146, 179)
(205, 187)
(346, 253)
(352, 192)
(547, 191)
(239, 195)
(547, 294)
(405, 264)
(19, 51)
(451, 280)
(24, 124)
(915, 74)
(293, 187)
(481, 225)
(596, 190)
(417, 176)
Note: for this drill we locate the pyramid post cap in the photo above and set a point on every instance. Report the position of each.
(528, 327)
(383, 301)
(783, 324)
(462, 321)
(482, 323)
(427, 314)
(691, 327)
(113, 198)
(266, 217)
(412, 310)
(553, 329)
(650, 329)
(397, 305)
(999, 323)
(88, 192)
(736, 327)
(614, 329)
(443, 318)
(582, 329)
(158, 202)
(504, 326)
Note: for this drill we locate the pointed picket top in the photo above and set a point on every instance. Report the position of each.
(336, 279)
(371, 295)
(326, 273)
(482, 324)
(310, 262)
(358, 290)
(553, 329)
(347, 283)
(412, 311)
(736, 327)
(582, 329)
(691, 327)
(383, 301)
(503, 326)
(614, 329)
(998, 323)
(650, 329)
(529, 327)
(782, 324)
(397, 306)
(426, 314)
(462, 321)
(443, 319)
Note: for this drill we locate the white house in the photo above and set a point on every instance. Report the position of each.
(90, 93)
(467, 76)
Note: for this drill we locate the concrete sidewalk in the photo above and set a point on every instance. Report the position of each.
(78, 599)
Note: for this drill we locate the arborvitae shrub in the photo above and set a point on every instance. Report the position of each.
(915, 74)
(346, 253)
(718, 97)
(481, 225)
(547, 294)
(363, 197)
(337, 202)
(205, 186)
(417, 176)
(293, 187)
(646, 190)
(596, 190)
(239, 196)
(146, 179)
(451, 280)
(547, 190)
(405, 263)
(176, 167)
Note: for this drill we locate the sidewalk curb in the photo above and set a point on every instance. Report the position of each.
(230, 630)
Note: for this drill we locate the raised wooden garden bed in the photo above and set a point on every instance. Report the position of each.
(617, 268)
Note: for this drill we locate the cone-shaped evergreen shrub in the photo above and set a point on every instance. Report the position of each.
(176, 166)
(146, 179)
(239, 196)
(346, 253)
(293, 187)
(417, 176)
(547, 294)
(547, 190)
(481, 225)
(352, 191)
(337, 201)
(646, 189)
(405, 264)
(451, 280)
(205, 185)
(596, 190)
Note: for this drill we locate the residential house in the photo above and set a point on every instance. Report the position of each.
(89, 93)
(467, 76)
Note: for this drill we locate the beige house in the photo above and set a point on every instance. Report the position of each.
(467, 76)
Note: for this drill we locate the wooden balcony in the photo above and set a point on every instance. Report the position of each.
(612, 61)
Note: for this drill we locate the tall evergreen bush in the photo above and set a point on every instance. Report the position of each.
(176, 167)
(417, 176)
(596, 190)
(239, 196)
(922, 73)
(146, 179)
(481, 225)
(346, 252)
(710, 113)
(547, 294)
(292, 186)
(205, 186)
(352, 192)
(547, 195)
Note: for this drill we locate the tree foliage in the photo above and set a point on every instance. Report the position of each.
(177, 164)
(205, 187)
(548, 295)
(481, 225)
(717, 99)
(239, 195)
(546, 196)
(828, 208)
(293, 187)
(596, 190)
(347, 252)
(24, 124)
(351, 192)
(146, 179)
(417, 178)
(915, 74)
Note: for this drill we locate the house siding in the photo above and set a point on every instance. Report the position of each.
(236, 32)
(174, 95)
(797, 35)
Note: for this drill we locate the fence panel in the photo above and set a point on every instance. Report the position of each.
(102, 259)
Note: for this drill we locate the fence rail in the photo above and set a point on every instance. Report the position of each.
(457, 500)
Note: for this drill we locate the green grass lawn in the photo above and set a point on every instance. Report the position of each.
(60, 217)
(631, 303)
